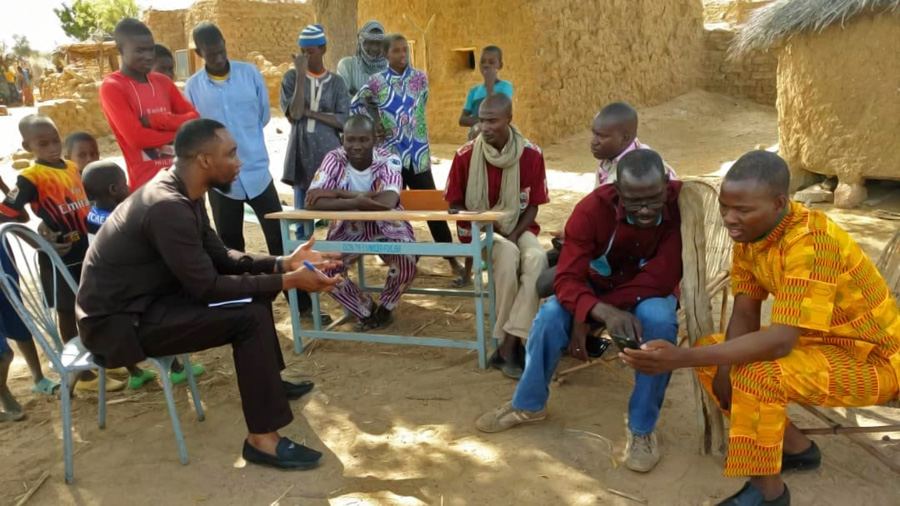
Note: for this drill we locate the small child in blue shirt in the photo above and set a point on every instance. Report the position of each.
(491, 64)
(106, 188)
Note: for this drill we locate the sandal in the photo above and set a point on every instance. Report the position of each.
(45, 387)
(461, 281)
(180, 377)
(137, 382)
(11, 416)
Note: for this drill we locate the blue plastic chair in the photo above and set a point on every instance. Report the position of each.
(25, 292)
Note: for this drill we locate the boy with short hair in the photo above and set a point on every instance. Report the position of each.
(53, 188)
(165, 62)
(144, 109)
(106, 188)
(491, 64)
(82, 148)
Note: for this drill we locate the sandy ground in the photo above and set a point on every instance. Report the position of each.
(396, 422)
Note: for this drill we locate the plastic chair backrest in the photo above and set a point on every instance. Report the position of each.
(21, 283)
(423, 200)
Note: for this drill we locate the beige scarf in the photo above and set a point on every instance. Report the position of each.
(506, 160)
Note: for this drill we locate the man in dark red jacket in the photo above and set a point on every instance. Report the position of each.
(621, 267)
(144, 109)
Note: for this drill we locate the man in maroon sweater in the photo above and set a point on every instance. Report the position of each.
(144, 109)
(620, 268)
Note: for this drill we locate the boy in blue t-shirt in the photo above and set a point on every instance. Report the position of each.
(106, 188)
(491, 64)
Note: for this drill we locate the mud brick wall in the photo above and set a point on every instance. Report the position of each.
(167, 27)
(750, 76)
(642, 51)
(73, 115)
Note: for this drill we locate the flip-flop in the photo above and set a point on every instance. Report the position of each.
(461, 282)
(112, 385)
(295, 391)
(180, 377)
(138, 382)
(118, 371)
(45, 387)
(11, 416)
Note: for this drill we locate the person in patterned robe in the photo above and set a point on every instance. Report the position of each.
(834, 338)
(395, 99)
(360, 177)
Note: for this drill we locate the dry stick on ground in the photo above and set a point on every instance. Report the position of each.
(627, 496)
(34, 488)
(422, 327)
(415, 398)
(275, 502)
(856, 439)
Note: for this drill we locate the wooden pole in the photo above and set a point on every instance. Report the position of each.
(855, 439)
(840, 429)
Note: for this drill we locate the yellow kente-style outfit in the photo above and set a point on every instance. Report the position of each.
(848, 353)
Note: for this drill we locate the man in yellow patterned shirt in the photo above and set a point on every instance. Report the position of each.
(834, 338)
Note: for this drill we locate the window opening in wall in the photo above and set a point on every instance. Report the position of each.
(465, 58)
(182, 65)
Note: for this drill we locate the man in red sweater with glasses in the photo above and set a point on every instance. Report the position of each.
(144, 109)
(620, 268)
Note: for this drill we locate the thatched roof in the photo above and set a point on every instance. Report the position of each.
(783, 18)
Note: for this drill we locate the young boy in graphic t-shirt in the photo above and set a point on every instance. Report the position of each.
(53, 188)
(106, 188)
(144, 108)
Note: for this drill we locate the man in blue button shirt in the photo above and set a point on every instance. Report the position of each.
(234, 94)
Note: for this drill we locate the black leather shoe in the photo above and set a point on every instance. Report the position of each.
(511, 369)
(751, 496)
(295, 391)
(288, 455)
(808, 460)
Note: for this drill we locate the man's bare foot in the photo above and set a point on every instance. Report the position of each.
(9, 402)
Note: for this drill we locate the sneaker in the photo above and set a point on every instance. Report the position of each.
(507, 417)
(642, 452)
(808, 460)
(751, 496)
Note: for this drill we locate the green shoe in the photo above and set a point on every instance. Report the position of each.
(137, 382)
(180, 377)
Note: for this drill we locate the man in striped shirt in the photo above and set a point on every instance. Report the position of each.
(360, 177)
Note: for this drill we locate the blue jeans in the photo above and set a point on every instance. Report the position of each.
(549, 338)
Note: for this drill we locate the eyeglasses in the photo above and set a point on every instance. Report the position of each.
(634, 207)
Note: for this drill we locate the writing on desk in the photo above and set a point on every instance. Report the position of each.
(370, 248)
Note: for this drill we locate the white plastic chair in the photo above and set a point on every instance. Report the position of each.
(25, 292)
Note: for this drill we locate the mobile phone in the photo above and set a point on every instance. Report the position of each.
(625, 342)
(452, 211)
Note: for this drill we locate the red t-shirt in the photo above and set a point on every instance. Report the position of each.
(124, 101)
(532, 183)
